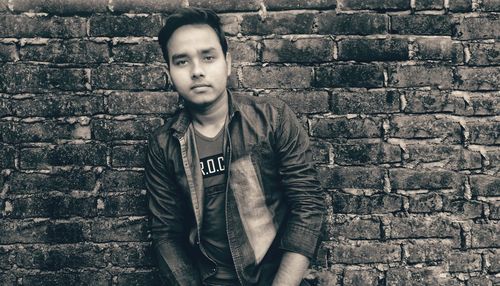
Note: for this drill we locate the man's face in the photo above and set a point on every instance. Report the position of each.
(197, 65)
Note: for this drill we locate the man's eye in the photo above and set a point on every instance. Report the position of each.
(180, 62)
(209, 58)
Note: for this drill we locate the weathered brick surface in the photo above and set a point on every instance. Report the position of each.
(365, 101)
(472, 28)
(277, 23)
(352, 24)
(298, 50)
(421, 25)
(373, 50)
(359, 75)
(400, 97)
(276, 77)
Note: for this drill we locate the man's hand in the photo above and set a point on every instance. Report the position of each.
(292, 269)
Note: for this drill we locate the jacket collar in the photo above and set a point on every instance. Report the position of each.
(183, 119)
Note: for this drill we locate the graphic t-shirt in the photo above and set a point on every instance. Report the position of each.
(213, 231)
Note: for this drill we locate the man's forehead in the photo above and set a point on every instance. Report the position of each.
(198, 37)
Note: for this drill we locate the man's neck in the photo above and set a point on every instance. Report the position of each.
(209, 121)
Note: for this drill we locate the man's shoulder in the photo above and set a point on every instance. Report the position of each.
(162, 133)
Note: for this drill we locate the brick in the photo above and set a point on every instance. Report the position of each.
(297, 4)
(72, 278)
(351, 177)
(484, 78)
(145, 6)
(119, 229)
(46, 131)
(366, 153)
(138, 278)
(352, 75)
(480, 103)
(495, 211)
(58, 257)
(5, 107)
(425, 203)
(385, 5)
(483, 281)
(128, 155)
(365, 101)
(130, 129)
(421, 24)
(429, 5)
(277, 23)
(359, 204)
(230, 24)
(143, 52)
(361, 277)
(405, 179)
(425, 127)
(460, 5)
(484, 133)
(298, 50)
(464, 209)
(23, 231)
(7, 279)
(331, 277)
(132, 255)
(320, 151)
(122, 181)
(65, 232)
(57, 51)
(226, 6)
(243, 51)
(124, 26)
(422, 227)
(426, 251)
(368, 50)
(493, 258)
(7, 257)
(434, 48)
(343, 127)
(420, 75)
(68, 154)
(57, 105)
(129, 77)
(352, 24)
(428, 101)
(419, 276)
(366, 252)
(493, 158)
(303, 101)
(464, 262)
(64, 181)
(276, 77)
(61, 7)
(125, 204)
(452, 157)
(485, 186)
(8, 52)
(478, 28)
(142, 102)
(8, 154)
(490, 5)
(484, 54)
(355, 229)
(21, 26)
(17, 78)
(53, 206)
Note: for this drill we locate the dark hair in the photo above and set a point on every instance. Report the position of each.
(190, 16)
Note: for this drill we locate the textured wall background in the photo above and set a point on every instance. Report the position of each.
(401, 99)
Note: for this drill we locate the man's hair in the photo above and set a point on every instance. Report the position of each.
(190, 16)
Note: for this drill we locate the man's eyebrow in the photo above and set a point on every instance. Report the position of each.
(206, 51)
(179, 56)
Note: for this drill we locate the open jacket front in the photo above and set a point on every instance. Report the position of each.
(273, 199)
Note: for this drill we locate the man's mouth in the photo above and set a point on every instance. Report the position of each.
(200, 86)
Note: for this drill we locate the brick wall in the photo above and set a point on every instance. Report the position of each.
(401, 99)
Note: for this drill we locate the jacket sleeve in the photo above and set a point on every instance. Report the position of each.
(302, 189)
(167, 220)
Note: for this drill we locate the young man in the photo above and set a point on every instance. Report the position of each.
(232, 190)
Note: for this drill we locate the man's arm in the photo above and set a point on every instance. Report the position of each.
(167, 221)
(292, 269)
(304, 197)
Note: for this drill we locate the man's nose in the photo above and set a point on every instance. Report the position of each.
(197, 69)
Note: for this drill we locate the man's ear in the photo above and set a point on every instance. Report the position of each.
(169, 78)
(228, 63)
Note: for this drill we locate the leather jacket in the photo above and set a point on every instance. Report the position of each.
(273, 200)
